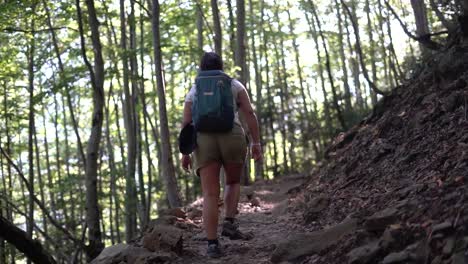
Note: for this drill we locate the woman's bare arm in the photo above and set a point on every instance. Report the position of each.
(246, 107)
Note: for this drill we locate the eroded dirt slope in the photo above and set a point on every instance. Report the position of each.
(401, 173)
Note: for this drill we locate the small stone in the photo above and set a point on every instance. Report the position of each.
(442, 227)
(164, 237)
(380, 220)
(194, 213)
(364, 254)
(396, 257)
(458, 258)
(177, 212)
(437, 260)
(449, 245)
(254, 202)
(111, 254)
(309, 244)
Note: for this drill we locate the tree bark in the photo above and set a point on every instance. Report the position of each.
(359, 50)
(328, 66)
(140, 190)
(67, 88)
(218, 37)
(168, 170)
(97, 81)
(130, 127)
(422, 25)
(259, 173)
(344, 69)
(326, 104)
(199, 31)
(30, 54)
(372, 52)
(232, 33)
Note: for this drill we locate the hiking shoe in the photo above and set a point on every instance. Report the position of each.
(213, 251)
(232, 231)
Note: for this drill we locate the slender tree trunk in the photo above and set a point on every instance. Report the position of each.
(199, 31)
(288, 93)
(347, 91)
(48, 165)
(328, 66)
(40, 181)
(372, 52)
(67, 88)
(136, 101)
(270, 113)
(97, 81)
(3, 208)
(232, 33)
(354, 23)
(112, 170)
(305, 111)
(326, 104)
(129, 120)
(58, 165)
(31, 50)
(259, 173)
(167, 162)
(218, 36)
(283, 101)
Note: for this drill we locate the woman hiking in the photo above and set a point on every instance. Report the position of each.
(212, 105)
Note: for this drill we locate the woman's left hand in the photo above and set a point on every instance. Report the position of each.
(186, 162)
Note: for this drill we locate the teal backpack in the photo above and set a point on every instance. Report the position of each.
(213, 107)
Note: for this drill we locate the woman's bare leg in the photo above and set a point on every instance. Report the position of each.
(210, 186)
(232, 188)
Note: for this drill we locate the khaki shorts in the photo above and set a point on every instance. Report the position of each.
(223, 148)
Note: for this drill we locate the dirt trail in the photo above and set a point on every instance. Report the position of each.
(265, 215)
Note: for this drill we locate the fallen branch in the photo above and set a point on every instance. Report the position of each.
(18, 238)
(36, 227)
(14, 30)
(52, 220)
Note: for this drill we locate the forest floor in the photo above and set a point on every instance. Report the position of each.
(263, 211)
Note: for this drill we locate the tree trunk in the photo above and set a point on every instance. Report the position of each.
(328, 66)
(199, 31)
(344, 68)
(138, 130)
(372, 52)
(113, 219)
(66, 159)
(128, 112)
(232, 33)
(168, 170)
(218, 37)
(359, 49)
(67, 88)
(305, 111)
(97, 81)
(40, 181)
(326, 104)
(270, 113)
(422, 25)
(259, 173)
(31, 50)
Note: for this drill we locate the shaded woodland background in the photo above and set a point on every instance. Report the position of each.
(92, 95)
